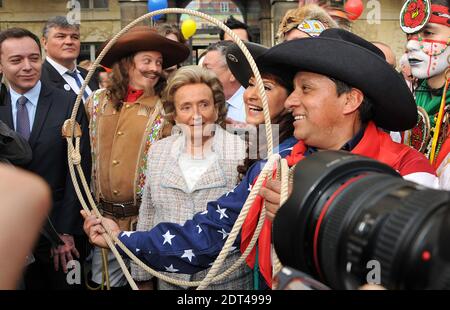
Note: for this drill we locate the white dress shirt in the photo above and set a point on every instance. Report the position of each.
(33, 97)
(70, 80)
(236, 107)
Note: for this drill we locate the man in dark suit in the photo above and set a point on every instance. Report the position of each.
(61, 41)
(37, 111)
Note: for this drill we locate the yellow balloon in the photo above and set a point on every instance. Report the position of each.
(188, 28)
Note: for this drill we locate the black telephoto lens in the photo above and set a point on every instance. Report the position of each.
(351, 220)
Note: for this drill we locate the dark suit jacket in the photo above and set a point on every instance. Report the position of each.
(50, 153)
(14, 148)
(51, 76)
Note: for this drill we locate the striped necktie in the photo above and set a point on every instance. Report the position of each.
(22, 119)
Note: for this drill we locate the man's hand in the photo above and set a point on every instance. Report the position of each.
(63, 253)
(93, 228)
(271, 194)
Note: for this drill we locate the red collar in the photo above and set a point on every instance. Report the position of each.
(362, 148)
(133, 94)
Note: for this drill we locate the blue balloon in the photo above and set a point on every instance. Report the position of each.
(155, 5)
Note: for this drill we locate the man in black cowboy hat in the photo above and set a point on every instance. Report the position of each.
(335, 108)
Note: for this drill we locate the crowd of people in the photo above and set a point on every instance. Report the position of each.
(171, 152)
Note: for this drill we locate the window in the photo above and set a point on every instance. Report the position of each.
(337, 3)
(100, 4)
(224, 7)
(94, 4)
(87, 51)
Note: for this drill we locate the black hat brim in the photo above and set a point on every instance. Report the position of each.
(357, 66)
(240, 67)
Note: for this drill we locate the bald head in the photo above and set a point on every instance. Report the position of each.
(388, 53)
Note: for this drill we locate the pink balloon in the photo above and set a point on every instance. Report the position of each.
(354, 9)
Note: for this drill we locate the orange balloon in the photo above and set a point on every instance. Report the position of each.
(354, 9)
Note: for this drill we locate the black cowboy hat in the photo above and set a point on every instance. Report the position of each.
(344, 56)
(144, 38)
(241, 69)
(239, 65)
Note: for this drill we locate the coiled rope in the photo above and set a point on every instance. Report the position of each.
(72, 133)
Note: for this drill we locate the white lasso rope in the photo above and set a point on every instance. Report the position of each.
(74, 160)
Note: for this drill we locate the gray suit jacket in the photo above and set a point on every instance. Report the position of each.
(167, 199)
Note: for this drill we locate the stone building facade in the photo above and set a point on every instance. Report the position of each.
(100, 19)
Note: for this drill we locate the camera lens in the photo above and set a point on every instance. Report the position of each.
(351, 220)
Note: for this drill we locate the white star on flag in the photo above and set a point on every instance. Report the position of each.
(127, 233)
(232, 249)
(170, 269)
(189, 254)
(199, 228)
(168, 237)
(204, 212)
(249, 187)
(137, 250)
(221, 211)
(232, 191)
(224, 233)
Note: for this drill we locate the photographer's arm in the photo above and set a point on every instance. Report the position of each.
(24, 205)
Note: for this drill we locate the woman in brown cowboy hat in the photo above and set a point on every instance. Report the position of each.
(125, 120)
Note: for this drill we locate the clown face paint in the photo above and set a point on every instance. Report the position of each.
(428, 52)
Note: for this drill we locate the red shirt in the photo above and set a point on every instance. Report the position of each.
(375, 144)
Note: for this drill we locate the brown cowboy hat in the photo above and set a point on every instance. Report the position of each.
(144, 38)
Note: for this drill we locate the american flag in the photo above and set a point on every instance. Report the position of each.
(194, 246)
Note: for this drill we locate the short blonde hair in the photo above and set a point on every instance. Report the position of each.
(194, 75)
(295, 17)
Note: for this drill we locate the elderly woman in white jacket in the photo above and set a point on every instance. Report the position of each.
(196, 164)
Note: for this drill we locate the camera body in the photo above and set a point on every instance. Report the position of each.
(351, 220)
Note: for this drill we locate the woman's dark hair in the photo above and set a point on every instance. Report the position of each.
(285, 122)
(286, 130)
